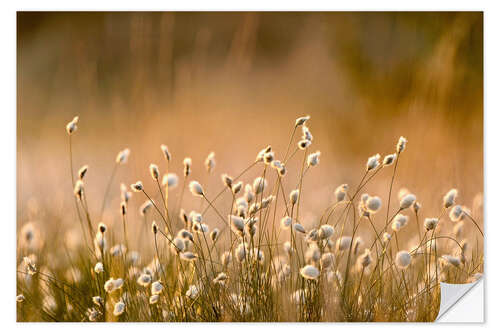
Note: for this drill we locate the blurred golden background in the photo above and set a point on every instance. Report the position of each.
(233, 83)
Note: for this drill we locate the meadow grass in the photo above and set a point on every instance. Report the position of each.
(257, 261)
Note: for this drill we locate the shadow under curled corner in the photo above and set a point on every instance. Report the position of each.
(462, 302)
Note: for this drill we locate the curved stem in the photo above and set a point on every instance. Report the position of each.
(108, 188)
(475, 223)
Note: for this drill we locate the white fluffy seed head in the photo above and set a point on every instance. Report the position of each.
(257, 255)
(249, 194)
(71, 127)
(226, 258)
(282, 170)
(303, 144)
(165, 151)
(250, 227)
(185, 234)
(99, 267)
(177, 245)
(403, 259)
(313, 159)
(184, 217)
(416, 207)
(286, 222)
(220, 278)
(187, 166)
(240, 252)
(29, 263)
(343, 243)
(402, 192)
(237, 224)
(340, 192)
(259, 185)
(365, 259)
(389, 159)
(192, 291)
(171, 180)
(214, 234)
(407, 201)
(451, 260)
(154, 171)
(312, 254)
(195, 217)
(241, 205)
(154, 299)
(97, 300)
(306, 133)
(156, 288)
(101, 228)
(373, 162)
(200, 227)
(196, 189)
(276, 164)
(236, 188)
(118, 283)
(269, 157)
(109, 285)
(456, 213)
(266, 201)
(309, 272)
(299, 228)
(119, 308)
(122, 156)
(396, 226)
(301, 120)
(363, 211)
(402, 219)
(401, 145)
(137, 187)
(210, 162)
(431, 223)
(227, 180)
(449, 198)
(312, 236)
(123, 208)
(294, 196)
(124, 194)
(358, 242)
(373, 204)
(78, 190)
(326, 231)
(82, 171)
(260, 154)
(327, 260)
(144, 279)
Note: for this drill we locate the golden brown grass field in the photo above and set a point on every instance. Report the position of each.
(331, 231)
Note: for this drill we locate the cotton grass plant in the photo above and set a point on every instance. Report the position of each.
(259, 260)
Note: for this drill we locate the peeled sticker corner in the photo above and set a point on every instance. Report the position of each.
(462, 302)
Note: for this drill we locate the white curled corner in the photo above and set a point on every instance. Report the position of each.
(461, 302)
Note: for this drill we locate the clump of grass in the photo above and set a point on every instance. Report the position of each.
(259, 261)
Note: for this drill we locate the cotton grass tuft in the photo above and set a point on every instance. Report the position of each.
(309, 272)
(196, 189)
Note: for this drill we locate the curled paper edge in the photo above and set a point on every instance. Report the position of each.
(455, 294)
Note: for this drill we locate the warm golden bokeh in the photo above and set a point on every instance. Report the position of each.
(233, 83)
